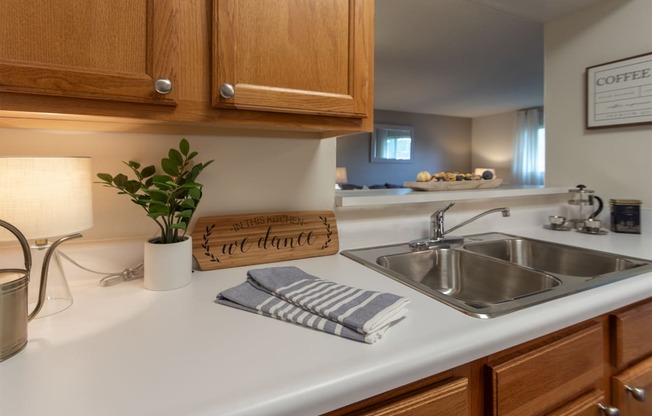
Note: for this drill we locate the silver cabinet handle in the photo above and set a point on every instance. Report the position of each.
(163, 86)
(609, 410)
(227, 90)
(637, 393)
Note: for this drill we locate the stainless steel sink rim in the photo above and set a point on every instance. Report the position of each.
(569, 284)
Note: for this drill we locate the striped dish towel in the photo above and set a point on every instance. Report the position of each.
(289, 294)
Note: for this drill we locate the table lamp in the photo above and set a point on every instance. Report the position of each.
(46, 198)
(340, 177)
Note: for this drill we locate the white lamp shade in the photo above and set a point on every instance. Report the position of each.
(341, 176)
(45, 196)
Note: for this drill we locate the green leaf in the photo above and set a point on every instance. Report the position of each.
(170, 167)
(186, 213)
(164, 182)
(162, 179)
(158, 195)
(158, 210)
(179, 225)
(195, 193)
(175, 156)
(192, 155)
(188, 203)
(132, 186)
(120, 180)
(105, 177)
(133, 165)
(148, 171)
(184, 146)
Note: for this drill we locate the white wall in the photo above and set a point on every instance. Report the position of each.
(616, 162)
(492, 143)
(250, 174)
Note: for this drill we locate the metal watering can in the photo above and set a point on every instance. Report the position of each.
(13, 298)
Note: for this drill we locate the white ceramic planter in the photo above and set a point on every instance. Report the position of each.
(168, 266)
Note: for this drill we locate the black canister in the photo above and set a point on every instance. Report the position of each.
(625, 215)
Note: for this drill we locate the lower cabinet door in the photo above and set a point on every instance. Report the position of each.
(632, 390)
(543, 379)
(586, 405)
(445, 399)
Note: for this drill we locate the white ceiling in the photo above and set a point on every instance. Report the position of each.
(466, 58)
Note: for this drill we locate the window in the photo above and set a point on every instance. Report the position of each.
(541, 153)
(529, 166)
(391, 143)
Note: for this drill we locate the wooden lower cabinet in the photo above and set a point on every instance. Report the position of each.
(631, 390)
(599, 367)
(546, 377)
(631, 334)
(449, 397)
(585, 405)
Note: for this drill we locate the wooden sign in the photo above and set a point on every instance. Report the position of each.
(237, 240)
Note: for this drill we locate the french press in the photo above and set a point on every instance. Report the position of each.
(582, 201)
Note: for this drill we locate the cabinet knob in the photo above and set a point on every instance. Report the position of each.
(227, 90)
(609, 410)
(637, 393)
(163, 86)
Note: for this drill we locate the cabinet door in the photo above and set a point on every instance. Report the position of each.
(293, 56)
(586, 405)
(447, 399)
(634, 403)
(547, 377)
(101, 49)
(633, 334)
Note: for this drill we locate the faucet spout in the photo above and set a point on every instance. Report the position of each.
(505, 212)
(438, 237)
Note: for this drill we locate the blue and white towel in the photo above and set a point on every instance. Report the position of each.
(289, 294)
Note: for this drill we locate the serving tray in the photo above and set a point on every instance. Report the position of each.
(454, 185)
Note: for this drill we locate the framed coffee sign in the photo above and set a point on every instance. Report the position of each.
(237, 240)
(619, 93)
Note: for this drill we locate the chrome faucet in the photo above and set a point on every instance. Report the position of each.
(438, 235)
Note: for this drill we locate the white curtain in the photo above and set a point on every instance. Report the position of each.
(528, 165)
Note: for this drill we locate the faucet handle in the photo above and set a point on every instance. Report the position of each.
(440, 212)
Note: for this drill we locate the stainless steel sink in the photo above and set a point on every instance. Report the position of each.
(466, 276)
(493, 274)
(553, 258)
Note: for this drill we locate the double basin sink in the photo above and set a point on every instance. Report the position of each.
(492, 274)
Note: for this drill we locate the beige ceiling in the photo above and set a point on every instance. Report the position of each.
(466, 58)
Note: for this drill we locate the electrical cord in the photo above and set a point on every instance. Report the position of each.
(110, 278)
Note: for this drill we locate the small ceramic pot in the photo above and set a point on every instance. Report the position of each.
(167, 266)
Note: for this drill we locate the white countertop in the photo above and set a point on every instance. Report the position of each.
(123, 350)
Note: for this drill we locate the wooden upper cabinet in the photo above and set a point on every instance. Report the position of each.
(293, 56)
(111, 50)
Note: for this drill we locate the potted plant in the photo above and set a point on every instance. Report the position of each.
(170, 199)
